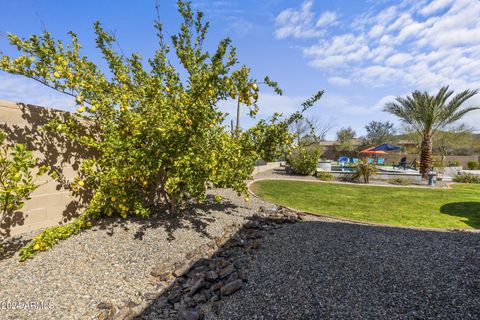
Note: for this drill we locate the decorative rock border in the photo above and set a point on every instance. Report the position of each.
(209, 273)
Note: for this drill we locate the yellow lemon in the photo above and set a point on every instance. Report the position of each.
(254, 86)
(81, 183)
(36, 247)
(80, 109)
(56, 74)
(93, 109)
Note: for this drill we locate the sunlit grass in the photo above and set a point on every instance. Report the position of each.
(458, 207)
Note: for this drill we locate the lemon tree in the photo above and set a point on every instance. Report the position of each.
(151, 129)
(152, 134)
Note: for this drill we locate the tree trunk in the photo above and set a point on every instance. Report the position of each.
(426, 156)
(237, 128)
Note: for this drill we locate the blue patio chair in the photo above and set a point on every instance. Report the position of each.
(370, 160)
(355, 160)
(343, 161)
(381, 161)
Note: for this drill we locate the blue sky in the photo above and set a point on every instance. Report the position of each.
(362, 53)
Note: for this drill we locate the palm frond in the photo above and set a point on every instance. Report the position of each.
(429, 113)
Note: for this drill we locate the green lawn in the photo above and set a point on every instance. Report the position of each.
(458, 207)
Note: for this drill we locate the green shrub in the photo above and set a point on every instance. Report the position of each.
(17, 180)
(51, 236)
(472, 165)
(324, 176)
(303, 161)
(466, 178)
(400, 181)
(364, 170)
(438, 163)
(455, 163)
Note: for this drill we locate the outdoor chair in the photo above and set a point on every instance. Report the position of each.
(370, 160)
(402, 164)
(343, 161)
(355, 160)
(381, 161)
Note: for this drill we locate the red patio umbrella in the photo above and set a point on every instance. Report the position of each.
(370, 151)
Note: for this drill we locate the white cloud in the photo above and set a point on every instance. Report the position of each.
(435, 6)
(300, 23)
(414, 43)
(398, 59)
(354, 105)
(339, 81)
(326, 18)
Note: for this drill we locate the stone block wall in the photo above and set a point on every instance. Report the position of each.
(51, 204)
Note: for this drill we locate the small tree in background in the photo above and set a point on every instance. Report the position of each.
(379, 132)
(345, 137)
(310, 130)
(454, 140)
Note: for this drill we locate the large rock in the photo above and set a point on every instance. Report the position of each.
(188, 314)
(231, 287)
(196, 286)
(181, 268)
(226, 271)
(212, 275)
(175, 294)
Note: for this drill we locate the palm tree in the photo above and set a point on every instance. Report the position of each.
(427, 114)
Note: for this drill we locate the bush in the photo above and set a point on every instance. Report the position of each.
(472, 165)
(466, 178)
(400, 181)
(438, 163)
(304, 161)
(364, 170)
(324, 176)
(16, 177)
(454, 163)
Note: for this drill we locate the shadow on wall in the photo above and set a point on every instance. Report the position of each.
(24, 123)
(468, 210)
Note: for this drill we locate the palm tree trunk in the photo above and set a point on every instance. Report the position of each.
(426, 156)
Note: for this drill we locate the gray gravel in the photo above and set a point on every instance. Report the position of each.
(330, 270)
(111, 262)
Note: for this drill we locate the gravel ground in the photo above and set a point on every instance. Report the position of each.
(330, 270)
(110, 262)
(313, 269)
